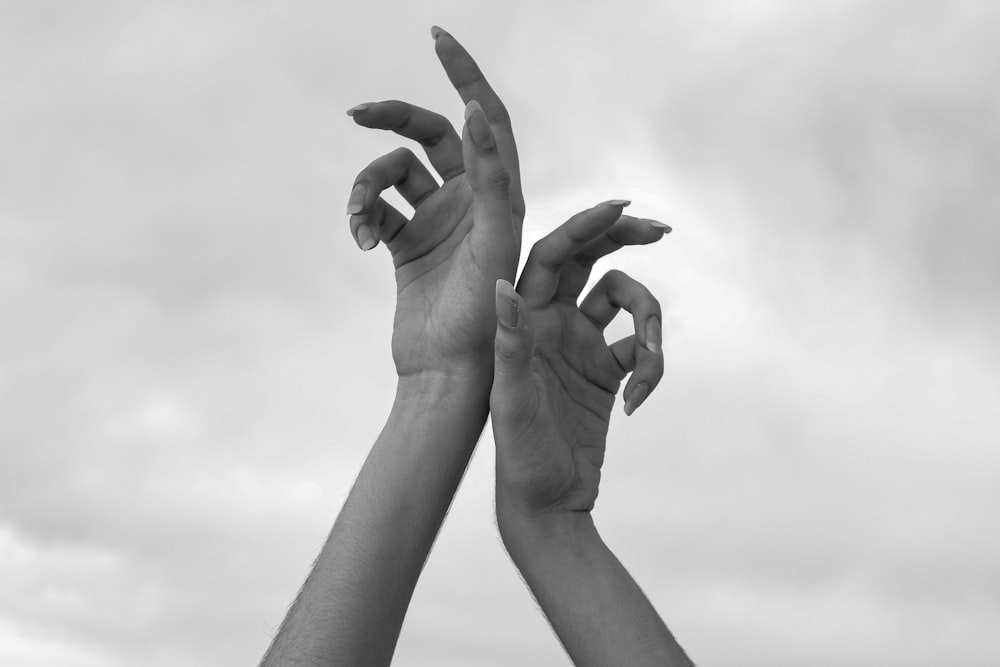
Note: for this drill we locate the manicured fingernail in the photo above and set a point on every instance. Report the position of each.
(656, 224)
(479, 127)
(437, 31)
(361, 107)
(616, 202)
(356, 202)
(654, 335)
(506, 306)
(635, 399)
(366, 240)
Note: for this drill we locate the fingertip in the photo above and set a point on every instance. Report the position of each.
(660, 226)
(654, 335)
(507, 306)
(619, 203)
(478, 125)
(636, 397)
(365, 238)
(356, 202)
(438, 31)
(358, 108)
(471, 108)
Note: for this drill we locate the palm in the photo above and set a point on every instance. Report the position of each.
(444, 281)
(575, 379)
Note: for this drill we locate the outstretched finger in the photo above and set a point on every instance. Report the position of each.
(626, 231)
(431, 130)
(646, 369)
(470, 83)
(616, 291)
(380, 223)
(540, 276)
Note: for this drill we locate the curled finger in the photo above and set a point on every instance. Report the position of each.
(400, 169)
(646, 368)
(617, 291)
(380, 223)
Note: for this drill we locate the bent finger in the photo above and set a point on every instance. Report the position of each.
(400, 169)
(381, 223)
(617, 291)
(540, 276)
(431, 130)
(645, 366)
(626, 231)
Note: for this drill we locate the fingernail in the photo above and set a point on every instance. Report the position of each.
(437, 31)
(635, 399)
(654, 335)
(506, 306)
(616, 202)
(656, 224)
(366, 240)
(356, 202)
(361, 107)
(479, 127)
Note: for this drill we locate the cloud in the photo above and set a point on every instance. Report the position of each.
(195, 358)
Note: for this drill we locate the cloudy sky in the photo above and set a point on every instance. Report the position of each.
(194, 356)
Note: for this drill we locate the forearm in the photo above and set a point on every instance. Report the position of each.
(594, 605)
(352, 605)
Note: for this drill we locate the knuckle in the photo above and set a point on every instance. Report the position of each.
(651, 301)
(501, 115)
(616, 276)
(499, 181)
(657, 367)
(402, 154)
(438, 129)
(438, 121)
(506, 350)
(542, 252)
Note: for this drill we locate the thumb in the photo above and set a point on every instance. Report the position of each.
(513, 348)
(486, 172)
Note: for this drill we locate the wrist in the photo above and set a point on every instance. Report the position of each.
(442, 411)
(446, 379)
(458, 385)
(527, 531)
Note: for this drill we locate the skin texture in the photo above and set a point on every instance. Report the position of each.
(553, 392)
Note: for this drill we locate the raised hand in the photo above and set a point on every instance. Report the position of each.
(553, 391)
(556, 378)
(464, 234)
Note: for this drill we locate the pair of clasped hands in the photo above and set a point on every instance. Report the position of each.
(467, 344)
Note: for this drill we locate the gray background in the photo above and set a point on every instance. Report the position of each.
(194, 354)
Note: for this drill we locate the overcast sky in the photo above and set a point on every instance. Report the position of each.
(194, 355)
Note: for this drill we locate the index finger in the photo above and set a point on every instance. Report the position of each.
(540, 277)
(470, 83)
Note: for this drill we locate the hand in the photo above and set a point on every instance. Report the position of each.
(556, 378)
(464, 234)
